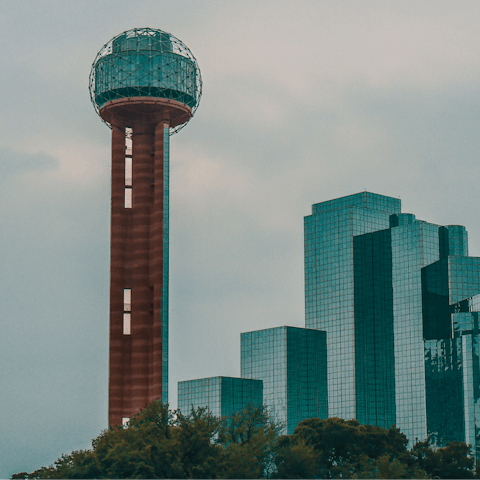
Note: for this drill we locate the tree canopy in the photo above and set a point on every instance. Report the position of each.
(160, 443)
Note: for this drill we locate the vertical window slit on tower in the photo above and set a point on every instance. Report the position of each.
(128, 197)
(128, 142)
(127, 299)
(128, 171)
(127, 320)
(128, 168)
(127, 308)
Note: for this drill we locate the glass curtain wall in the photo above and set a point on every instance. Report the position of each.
(329, 283)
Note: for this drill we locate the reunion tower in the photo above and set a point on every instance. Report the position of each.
(146, 85)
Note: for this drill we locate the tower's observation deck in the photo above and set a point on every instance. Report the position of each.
(142, 73)
(145, 84)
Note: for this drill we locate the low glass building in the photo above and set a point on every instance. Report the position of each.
(221, 395)
(292, 363)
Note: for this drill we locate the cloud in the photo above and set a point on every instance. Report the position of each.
(16, 163)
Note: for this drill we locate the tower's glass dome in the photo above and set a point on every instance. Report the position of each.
(145, 62)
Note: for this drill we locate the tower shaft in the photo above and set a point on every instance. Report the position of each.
(139, 268)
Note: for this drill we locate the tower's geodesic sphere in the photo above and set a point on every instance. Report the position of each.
(145, 66)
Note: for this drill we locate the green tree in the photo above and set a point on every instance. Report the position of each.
(335, 449)
(153, 445)
(196, 444)
(294, 458)
(67, 466)
(346, 449)
(249, 438)
(142, 449)
(452, 461)
(159, 443)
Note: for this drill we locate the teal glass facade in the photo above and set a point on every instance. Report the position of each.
(414, 245)
(374, 338)
(389, 368)
(291, 362)
(451, 293)
(329, 283)
(221, 395)
(453, 384)
(146, 63)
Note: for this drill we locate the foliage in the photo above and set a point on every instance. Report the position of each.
(159, 443)
(451, 461)
(249, 438)
(294, 459)
(346, 449)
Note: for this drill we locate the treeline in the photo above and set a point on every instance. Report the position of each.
(159, 443)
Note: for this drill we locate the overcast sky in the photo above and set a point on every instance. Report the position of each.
(302, 102)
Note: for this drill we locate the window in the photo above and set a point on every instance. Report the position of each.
(128, 168)
(128, 171)
(128, 197)
(127, 319)
(127, 299)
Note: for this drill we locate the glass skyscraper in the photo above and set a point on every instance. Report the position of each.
(397, 297)
(329, 283)
(223, 396)
(390, 372)
(451, 288)
(292, 364)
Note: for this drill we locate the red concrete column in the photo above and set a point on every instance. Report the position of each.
(156, 264)
(119, 343)
(142, 295)
(136, 361)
